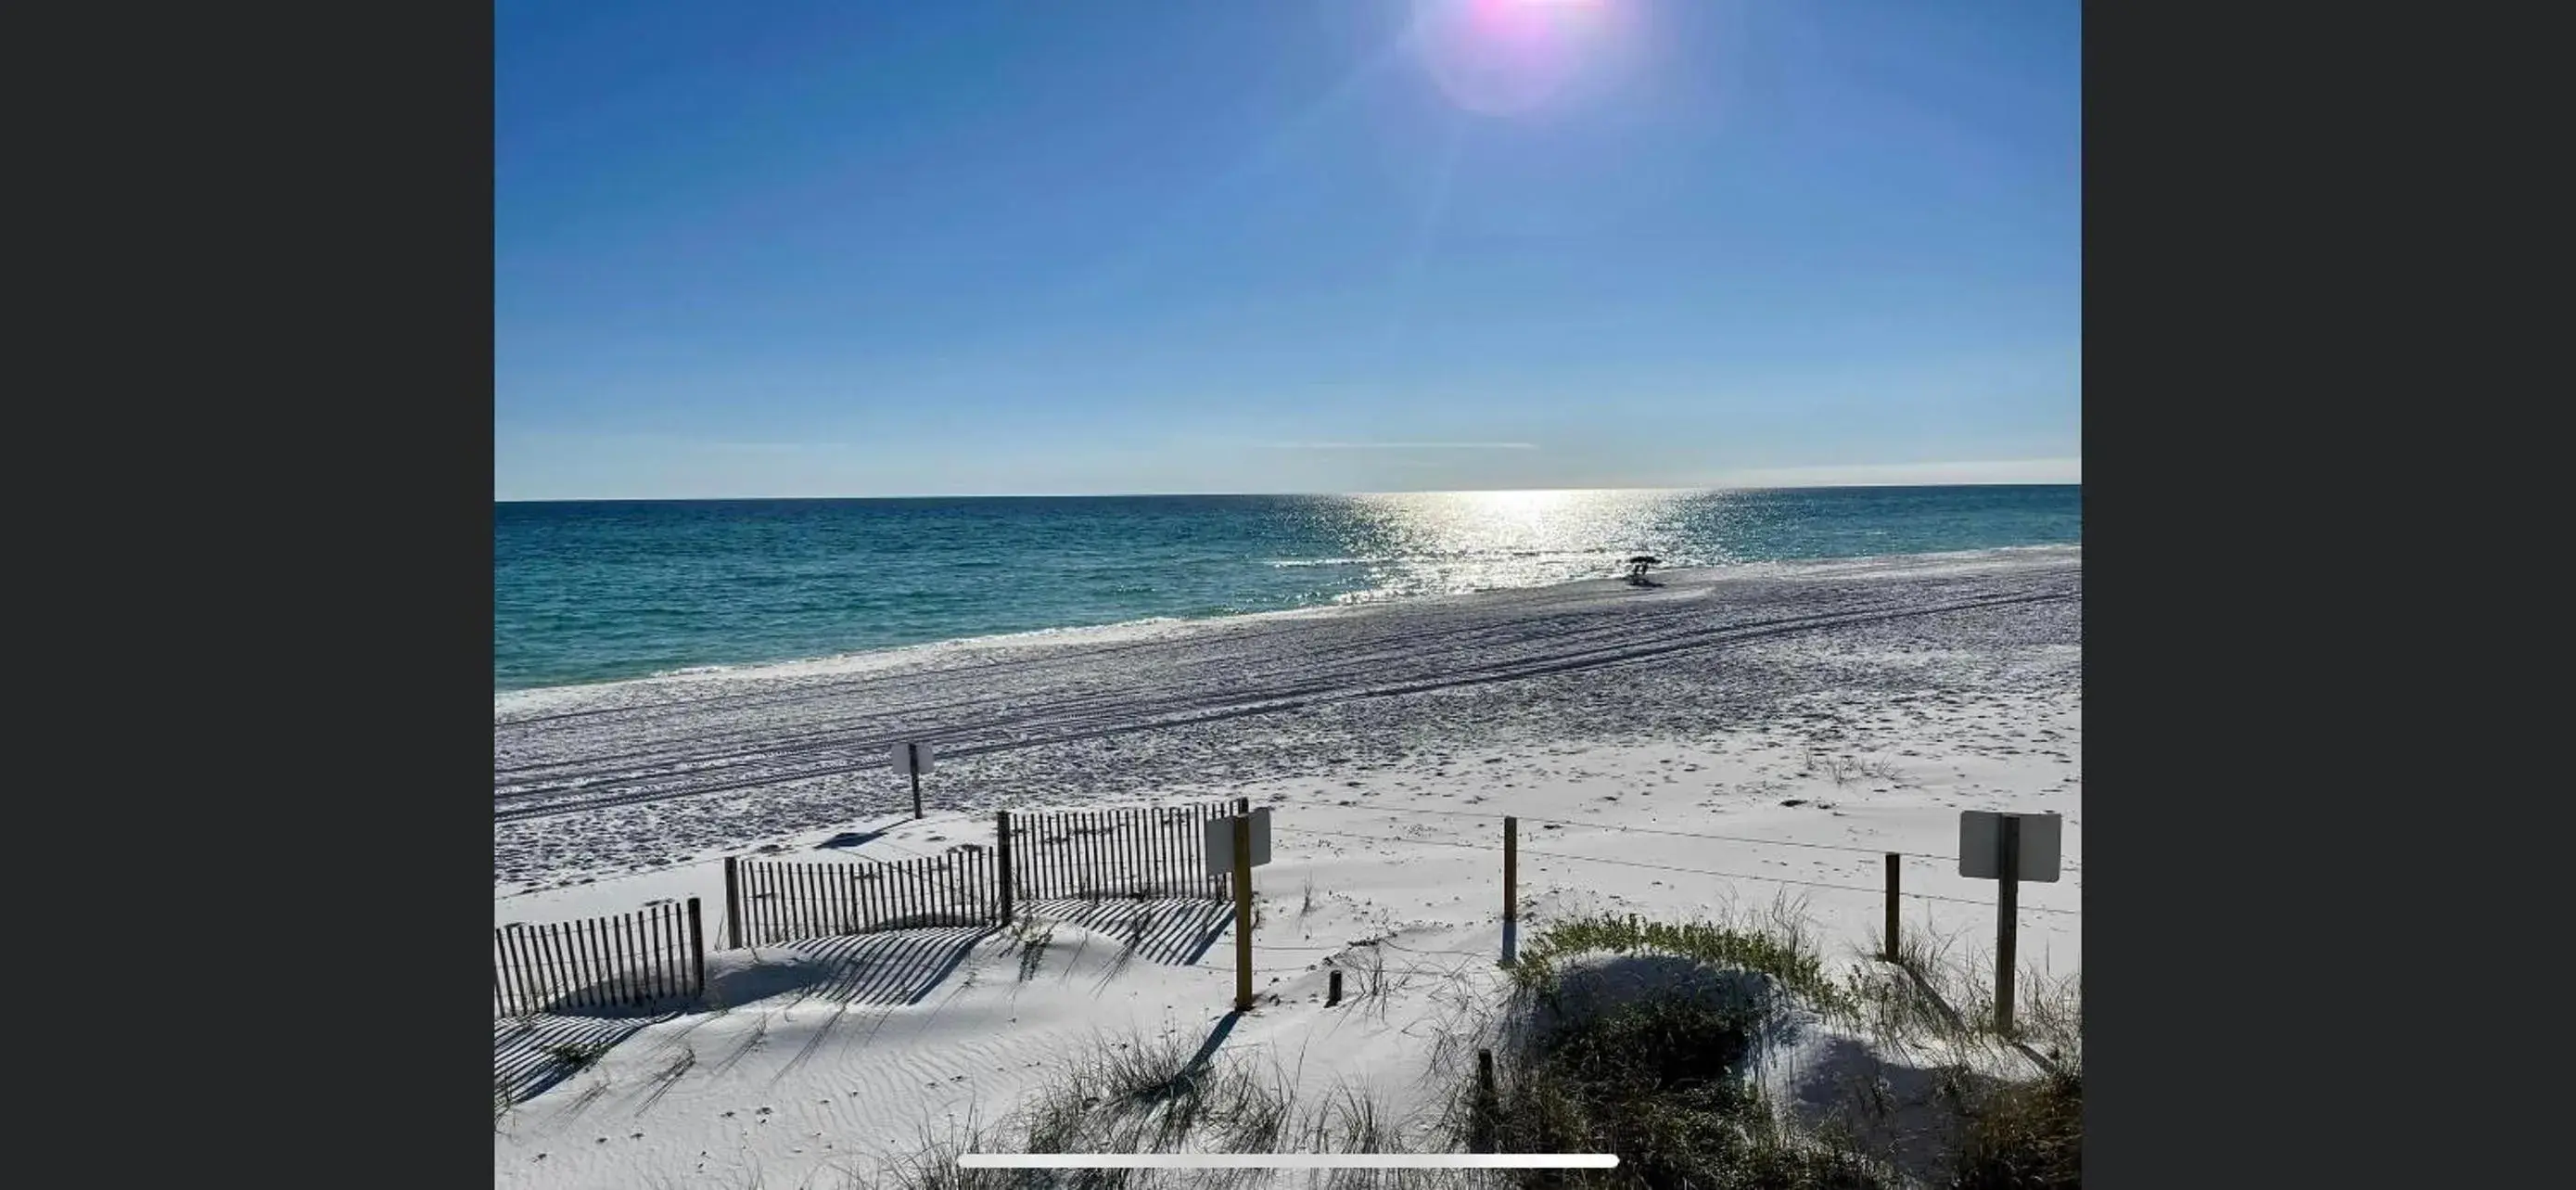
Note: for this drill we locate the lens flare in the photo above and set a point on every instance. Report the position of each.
(1500, 57)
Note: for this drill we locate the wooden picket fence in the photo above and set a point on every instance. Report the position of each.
(638, 959)
(1158, 851)
(629, 960)
(768, 901)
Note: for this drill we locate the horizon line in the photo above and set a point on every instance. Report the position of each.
(1813, 487)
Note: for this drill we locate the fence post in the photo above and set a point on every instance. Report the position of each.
(697, 948)
(1511, 889)
(1333, 988)
(733, 901)
(1243, 912)
(1893, 860)
(2006, 920)
(1243, 805)
(1002, 843)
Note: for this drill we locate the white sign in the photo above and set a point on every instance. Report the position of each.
(911, 758)
(1220, 842)
(1981, 843)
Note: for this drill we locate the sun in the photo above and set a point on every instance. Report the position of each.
(1498, 57)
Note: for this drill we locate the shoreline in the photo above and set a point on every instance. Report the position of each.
(603, 779)
(538, 699)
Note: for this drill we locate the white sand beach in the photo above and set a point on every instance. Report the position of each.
(1731, 740)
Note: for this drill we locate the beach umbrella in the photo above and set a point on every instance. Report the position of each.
(1648, 559)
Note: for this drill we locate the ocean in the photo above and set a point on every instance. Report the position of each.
(598, 591)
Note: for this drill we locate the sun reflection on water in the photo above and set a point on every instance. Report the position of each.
(1454, 542)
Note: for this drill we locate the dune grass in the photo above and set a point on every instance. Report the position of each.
(1158, 1095)
(1662, 1079)
(1782, 949)
(1665, 1077)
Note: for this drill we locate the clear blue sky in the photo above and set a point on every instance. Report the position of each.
(1049, 246)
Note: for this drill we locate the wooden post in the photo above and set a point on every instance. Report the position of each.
(1333, 988)
(733, 900)
(697, 948)
(1243, 913)
(1511, 889)
(2007, 919)
(1002, 843)
(913, 753)
(1892, 876)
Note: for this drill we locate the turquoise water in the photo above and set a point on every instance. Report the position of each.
(589, 592)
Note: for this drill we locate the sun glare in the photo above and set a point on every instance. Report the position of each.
(1499, 57)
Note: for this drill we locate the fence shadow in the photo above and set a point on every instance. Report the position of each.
(1171, 930)
(530, 1054)
(890, 967)
(594, 1003)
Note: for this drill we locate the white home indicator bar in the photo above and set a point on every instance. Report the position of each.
(1288, 1161)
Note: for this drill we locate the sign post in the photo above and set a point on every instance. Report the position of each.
(1243, 913)
(1234, 845)
(2009, 848)
(1511, 889)
(1895, 873)
(913, 759)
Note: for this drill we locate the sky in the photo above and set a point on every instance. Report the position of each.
(800, 249)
